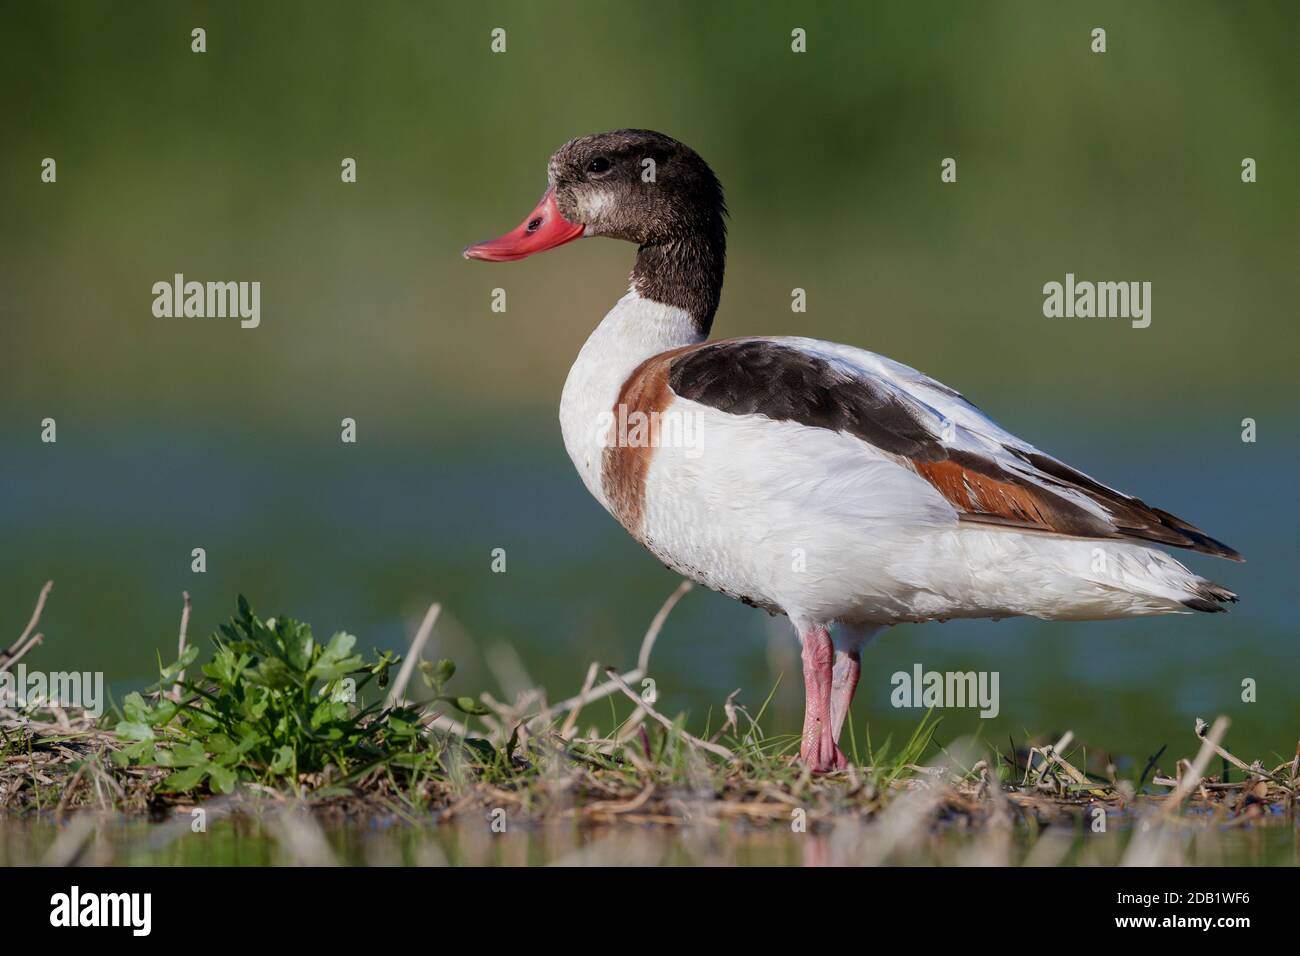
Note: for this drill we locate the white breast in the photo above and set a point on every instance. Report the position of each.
(633, 331)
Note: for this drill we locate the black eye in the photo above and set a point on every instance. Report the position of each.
(598, 165)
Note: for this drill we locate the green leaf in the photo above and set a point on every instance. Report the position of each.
(283, 760)
(188, 657)
(467, 705)
(337, 659)
(163, 713)
(134, 730)
(223, 779)
(184, 780)
(328, 711)
(341, 644)
(481, 749)
(435, 675)
(189, 754)
(226, 667)
(399, 726)
(136, 709)
(142, 751)
(272, 673)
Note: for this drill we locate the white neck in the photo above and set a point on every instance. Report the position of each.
(633, 331)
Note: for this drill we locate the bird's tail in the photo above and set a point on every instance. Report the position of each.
(1152, 574)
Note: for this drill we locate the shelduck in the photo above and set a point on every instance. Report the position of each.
(820, 481)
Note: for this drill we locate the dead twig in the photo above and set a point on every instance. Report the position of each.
(21, 652)
(1255, 771)
(25, 640)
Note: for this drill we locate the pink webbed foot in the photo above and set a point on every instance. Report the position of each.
(844, 681)
(818, 750)
(822, 755)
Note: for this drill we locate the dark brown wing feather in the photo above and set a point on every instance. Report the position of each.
(1015, 486)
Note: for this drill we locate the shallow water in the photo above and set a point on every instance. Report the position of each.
(390, 842)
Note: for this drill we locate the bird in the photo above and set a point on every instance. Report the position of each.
(823, 482)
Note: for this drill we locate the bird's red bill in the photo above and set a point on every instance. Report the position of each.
(544, 228)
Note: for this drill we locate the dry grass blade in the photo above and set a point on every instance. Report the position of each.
(413, 654)
(590, 695)
(1190, 780)
(657, 625)
(1054, 757)
(717, 749)
(180, 649)
(622, 806)
(571, 721)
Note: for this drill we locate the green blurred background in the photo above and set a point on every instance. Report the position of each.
(180, 433)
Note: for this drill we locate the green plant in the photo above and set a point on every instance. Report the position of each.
(436, 675)
(276, 704)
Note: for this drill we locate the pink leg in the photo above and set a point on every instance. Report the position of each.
(818, 751)
(844, 681)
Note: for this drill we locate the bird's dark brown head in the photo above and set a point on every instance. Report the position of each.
(637, 185)
(642, 187)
